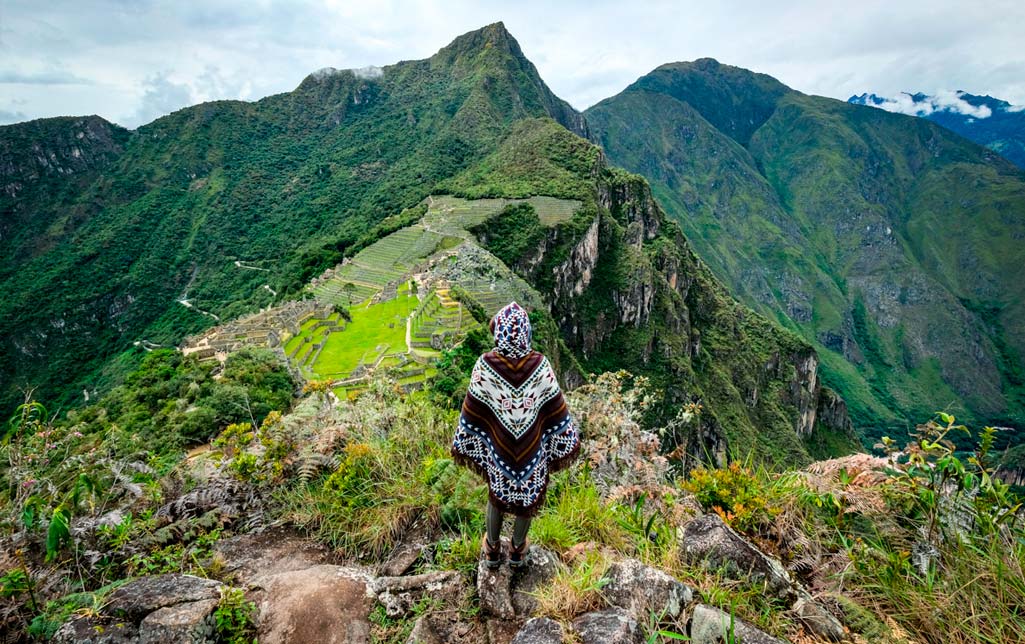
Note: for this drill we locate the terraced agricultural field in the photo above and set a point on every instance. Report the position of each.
(453, 215)
(375, 287)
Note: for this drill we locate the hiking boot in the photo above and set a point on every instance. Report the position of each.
(492, 554)
(517, 554)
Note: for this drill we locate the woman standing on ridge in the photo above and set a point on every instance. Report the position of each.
(514, 430)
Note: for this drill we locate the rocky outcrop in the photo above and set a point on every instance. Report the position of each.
(506, 593)
(710, 625)
(707, 540)
(642, 591)
(540, 630)
(150, 610)
(322, 603)
(612, 626)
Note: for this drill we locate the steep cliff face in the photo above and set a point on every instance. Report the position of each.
(626, 291)
(888, 243)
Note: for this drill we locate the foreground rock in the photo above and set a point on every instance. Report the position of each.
(138, 598)
(709, 541)
(817, 619)
(710, 625)
(189, 623)
(642, 590)
(156, 609)
(612, 626)
(323, 604)
(399, 595)
(506, 593)
(540, 630)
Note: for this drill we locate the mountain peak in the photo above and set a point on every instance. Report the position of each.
(493, 36)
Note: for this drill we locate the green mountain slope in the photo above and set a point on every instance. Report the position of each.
(219, 209)
(286, 184)
(891, 244)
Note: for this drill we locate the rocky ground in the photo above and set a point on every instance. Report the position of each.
(305, 594)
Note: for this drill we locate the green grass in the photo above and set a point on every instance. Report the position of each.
(376, 329)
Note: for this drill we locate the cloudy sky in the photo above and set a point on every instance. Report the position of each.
(132, 61)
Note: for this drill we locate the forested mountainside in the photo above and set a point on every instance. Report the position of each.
(988, 121)
(134, 236)
(223, 207)
(891, 244)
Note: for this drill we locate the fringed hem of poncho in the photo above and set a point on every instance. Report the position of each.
(530, 511)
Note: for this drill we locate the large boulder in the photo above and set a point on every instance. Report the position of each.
(709, 541)
(540, 630)
(611, 626)
(139, 598)
(96, 630)
(324, 604)
(643, 590)
(189, 623)
(709, 625)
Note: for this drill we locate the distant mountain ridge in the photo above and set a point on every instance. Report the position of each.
(989, 121)
(891, 243)
(157, 235)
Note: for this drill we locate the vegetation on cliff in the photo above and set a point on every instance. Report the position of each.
(890, 244)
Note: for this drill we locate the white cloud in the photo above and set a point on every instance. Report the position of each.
(586, 51)
(945, 101)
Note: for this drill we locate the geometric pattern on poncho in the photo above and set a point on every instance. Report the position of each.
(515, 429)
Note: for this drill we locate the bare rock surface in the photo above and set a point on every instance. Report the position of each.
(612, 626)
(189, 623)
(641, 590)
(709, 625)
(708, 540)
(253, 557)
(325, 604)
(138, 598)
(817, 619)
(443, 628)
(92, 630)
(540, 630)
(506, 592)
(399, 595)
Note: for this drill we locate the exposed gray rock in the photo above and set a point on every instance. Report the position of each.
(493, 589)
(710, 625)
(189, 623)
(439, 628)
(506, 593)
(612, 626)
(540, 568)
(324, 604)
(540, 630)
(708, 540)
(141, 597)
(642, 590)
(399, 595)
(502, 631)
(817, 619)
(92, 630)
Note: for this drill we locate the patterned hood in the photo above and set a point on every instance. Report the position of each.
(511, 328)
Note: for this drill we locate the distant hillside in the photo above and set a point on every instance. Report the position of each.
(890, 243)
(988, 121)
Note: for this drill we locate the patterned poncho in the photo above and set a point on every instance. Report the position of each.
(515, 427)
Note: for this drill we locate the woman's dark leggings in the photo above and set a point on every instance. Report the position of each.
(494, 525)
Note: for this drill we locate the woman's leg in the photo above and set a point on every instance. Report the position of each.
(520, 528)
(493, 521)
